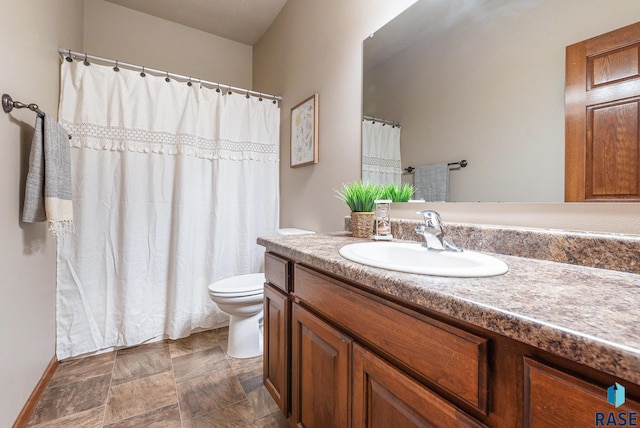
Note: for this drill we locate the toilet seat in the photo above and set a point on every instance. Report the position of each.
(243, 285)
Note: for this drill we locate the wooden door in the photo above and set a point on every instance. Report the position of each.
(277, 315)
(385, 397)
(602, 113)
(321, 373)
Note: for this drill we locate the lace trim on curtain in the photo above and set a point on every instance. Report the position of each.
(391, 166)
(102, 137)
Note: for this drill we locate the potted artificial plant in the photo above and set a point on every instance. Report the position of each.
(360, 198)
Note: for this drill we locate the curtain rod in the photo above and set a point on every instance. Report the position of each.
(70, 55)
(385, 121)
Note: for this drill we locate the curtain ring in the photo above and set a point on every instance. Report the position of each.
(229, 91)
(274, 101)
(189, 82)
(86, 61)
(247, 96)
(116, 68)
(166, 79)
(69, 58)
(143, 74)
(260, 98)
(218, 88)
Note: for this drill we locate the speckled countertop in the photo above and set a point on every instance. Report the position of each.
(585, 314)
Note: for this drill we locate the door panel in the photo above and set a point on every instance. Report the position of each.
(602, 156)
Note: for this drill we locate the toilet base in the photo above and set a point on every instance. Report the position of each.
(245, 338)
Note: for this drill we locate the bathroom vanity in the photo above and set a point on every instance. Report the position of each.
(347, 345)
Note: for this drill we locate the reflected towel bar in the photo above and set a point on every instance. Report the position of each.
(463, 163)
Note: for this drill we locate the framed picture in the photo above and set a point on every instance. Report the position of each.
(304, 132)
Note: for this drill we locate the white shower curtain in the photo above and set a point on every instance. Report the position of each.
(381, 153)
(171, 187)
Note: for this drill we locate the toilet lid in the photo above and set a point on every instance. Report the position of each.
(242, 284)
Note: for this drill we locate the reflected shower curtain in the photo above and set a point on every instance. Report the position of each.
(380, 153)
(172, 185)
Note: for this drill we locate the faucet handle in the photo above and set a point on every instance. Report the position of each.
(431, 218)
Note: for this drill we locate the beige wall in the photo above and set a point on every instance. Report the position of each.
(30, 34)
(492, 91)
(316, 46)
(115, 32)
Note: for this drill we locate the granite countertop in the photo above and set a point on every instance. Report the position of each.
(584, 314)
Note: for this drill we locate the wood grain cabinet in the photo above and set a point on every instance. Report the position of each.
(321, 373)
(277, 325)
(555, 398)
(383, 396)
(338, 355)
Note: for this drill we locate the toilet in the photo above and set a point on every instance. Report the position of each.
(242, 297)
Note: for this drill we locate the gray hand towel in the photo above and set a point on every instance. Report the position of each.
(47, 193)
(432, 182)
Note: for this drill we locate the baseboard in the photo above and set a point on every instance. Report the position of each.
(32, 402)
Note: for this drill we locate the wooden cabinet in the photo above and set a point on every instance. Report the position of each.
(337, 355)
(277, 316)
(321, 373)
(385, 397)
(555, 398)
(276, 369)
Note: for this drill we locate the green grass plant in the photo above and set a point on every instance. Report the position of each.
(359, 196)
(397, 193)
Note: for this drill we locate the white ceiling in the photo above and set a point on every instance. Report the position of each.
(243, 21)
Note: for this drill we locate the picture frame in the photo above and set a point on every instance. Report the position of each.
(304, 132)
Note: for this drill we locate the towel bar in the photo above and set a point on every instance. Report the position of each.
(9, 104)
(463, 163)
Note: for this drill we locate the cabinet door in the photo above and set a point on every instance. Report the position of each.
(320, 373)
(384, 397)
(554, 398)
(277, 313)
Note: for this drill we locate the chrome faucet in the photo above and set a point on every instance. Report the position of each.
(433, 232)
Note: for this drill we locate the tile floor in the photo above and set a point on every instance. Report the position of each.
(186, 383)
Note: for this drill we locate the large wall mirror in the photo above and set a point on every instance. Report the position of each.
(483, 80)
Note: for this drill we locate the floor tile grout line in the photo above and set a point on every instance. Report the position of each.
(106, 403)
(175, 387)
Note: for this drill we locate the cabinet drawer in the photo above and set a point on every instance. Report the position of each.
(441, 354)
(554, 398)
(278, 271)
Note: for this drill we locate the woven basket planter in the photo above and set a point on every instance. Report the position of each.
(362, 224)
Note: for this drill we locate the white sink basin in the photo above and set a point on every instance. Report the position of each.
(414, 258)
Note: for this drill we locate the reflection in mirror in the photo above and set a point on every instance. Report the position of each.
(381, 151)
(483, 80)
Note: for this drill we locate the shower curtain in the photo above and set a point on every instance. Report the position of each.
(381, 153)
(172, 184)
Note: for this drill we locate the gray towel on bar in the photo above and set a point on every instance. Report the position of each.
(47, 195)
(432, 182)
